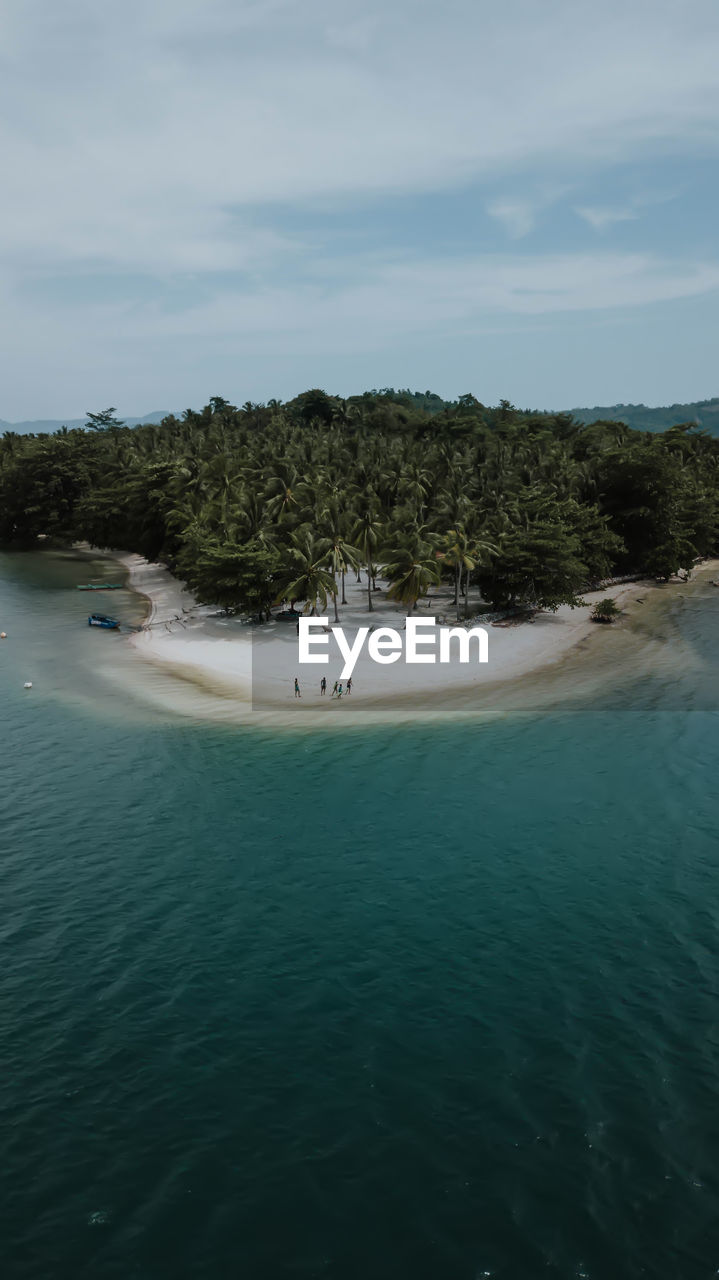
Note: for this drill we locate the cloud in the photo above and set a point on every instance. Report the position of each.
(154, 142)
(516, 216)
(365, 301)
(130, 130)
(601, 219)
(356, 323)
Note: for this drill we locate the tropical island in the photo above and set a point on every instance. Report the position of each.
(371, 504)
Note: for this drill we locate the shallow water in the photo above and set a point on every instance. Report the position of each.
(430, 1003)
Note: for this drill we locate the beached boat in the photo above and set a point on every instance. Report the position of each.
(102, 620)
(100, 586)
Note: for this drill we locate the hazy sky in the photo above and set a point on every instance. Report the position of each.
(250, 197)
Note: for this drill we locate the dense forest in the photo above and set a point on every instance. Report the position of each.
(268, 501)
(699, 413)
(642, 417)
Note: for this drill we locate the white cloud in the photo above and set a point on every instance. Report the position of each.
(369, 300)
(354, 315)
(600, 219)
(147, 138)
(516, 216)
(128, 130)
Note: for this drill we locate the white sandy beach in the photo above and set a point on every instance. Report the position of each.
(251, 669)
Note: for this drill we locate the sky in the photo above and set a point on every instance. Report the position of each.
(247, 198)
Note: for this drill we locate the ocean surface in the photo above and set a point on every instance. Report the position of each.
(436, 1003)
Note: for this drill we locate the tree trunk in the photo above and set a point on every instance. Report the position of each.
(466, 592)
(370, 606)
(344, 598)
(334, 601)
(456, 589)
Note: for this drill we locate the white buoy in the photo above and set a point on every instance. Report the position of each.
(3, 635)
(27, 684)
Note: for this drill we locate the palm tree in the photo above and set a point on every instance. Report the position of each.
(333, 523)
(414, 485)
(366, 535)
(411, 569)
(480, 550)
(456, 555)
(310, 580)
(286, 494)
(462, 551)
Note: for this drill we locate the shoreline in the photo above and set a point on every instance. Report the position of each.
(221, 668)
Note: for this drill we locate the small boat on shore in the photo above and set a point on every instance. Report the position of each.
(100, 586)
(102, 620)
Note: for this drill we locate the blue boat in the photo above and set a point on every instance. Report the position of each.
(102, 620)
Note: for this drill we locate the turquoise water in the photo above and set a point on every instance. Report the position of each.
(433, 1003)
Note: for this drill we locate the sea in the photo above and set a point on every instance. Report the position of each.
(426, 1002)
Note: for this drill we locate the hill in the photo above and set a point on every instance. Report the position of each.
(705, 413)
(46, 426)
(641, 417)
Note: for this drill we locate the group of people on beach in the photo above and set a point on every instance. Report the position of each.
(337, 689)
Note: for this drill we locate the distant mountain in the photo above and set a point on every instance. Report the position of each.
(45, 426)
(705, 413)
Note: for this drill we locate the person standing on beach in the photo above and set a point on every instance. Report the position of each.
(349, 685)
(339, 692)
(297, 688)
(334, 690)
(323, 686)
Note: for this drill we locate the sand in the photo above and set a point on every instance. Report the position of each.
(246, 673)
